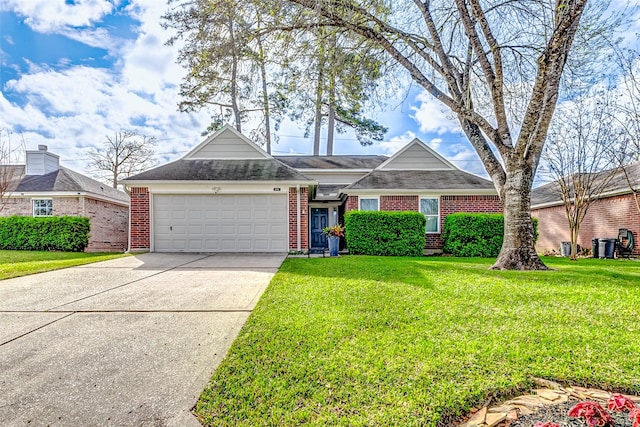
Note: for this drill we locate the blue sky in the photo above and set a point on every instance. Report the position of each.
(72, 72)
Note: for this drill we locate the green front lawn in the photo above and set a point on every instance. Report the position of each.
(419, 341)
(21, 263)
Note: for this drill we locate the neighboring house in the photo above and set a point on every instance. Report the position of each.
(229, 195)
(614, 208)
(44, 188)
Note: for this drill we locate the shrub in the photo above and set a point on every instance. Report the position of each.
(55, 233)
(475, 234)
(385, 233)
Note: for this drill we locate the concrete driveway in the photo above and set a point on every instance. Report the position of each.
(131, 341)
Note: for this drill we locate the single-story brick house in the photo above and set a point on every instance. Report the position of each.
(615, 208)
(42, 188)
(227, 194)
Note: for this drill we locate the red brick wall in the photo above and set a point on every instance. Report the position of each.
(351, 204)
(603, 219)
(109, 226)
(109, 221)
(448, 205)
(454, 204)
(140, 221)
(293, 219)
(399, 203)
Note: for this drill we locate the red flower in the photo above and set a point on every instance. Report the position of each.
(546, 424)
(593, 413)
(634, 417)
(620, 403)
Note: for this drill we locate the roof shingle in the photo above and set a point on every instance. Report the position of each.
(64, 180)
(333, 162)
(550, 193)
(420, 180)
(221, 170)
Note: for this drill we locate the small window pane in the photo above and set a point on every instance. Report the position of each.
(369, 204)
(43, 207)
(432, 224)
(429, 206)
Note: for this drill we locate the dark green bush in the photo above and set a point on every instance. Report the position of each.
(55, 233)
(475, 234)
(385, 233)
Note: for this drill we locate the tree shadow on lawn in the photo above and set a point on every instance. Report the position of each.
(427, 271)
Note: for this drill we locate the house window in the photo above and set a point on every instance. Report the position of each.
(430, 208)
(370, 204)
(42, 207)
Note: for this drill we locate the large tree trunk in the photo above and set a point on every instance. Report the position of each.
(331, 122)
(518, 251)
(318, 113)
(574, 243)
(265, 92)
(234, 79)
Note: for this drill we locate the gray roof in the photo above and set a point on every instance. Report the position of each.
(420, 180)
(221, 170)
(550, 193)
(64, 180)
(328, 192)
(333, 162)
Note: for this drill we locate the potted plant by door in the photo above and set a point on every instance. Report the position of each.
(334, 234)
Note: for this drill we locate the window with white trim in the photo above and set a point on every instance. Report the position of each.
(369, 204)
(430, 208)
(42, 207)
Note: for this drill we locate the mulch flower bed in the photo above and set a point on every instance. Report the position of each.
(552, 403)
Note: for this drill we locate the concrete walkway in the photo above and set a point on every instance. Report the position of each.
(126, 342)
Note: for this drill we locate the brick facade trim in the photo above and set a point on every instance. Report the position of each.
(109, 230)
(293, 219)
(448, 205)
(603, 219)
(140, 229)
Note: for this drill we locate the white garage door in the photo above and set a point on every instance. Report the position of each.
(198, 223)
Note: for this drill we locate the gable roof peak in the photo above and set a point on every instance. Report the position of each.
(227, 143)
(410, 156)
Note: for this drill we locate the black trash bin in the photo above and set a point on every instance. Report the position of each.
(594, 247)
(606, 248)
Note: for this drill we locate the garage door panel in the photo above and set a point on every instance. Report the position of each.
(220, 223)
(275, 244)
(212, 214)
(245, 214)
(212, 245)
(278, 230)
(244, 229)
(261, 229)
(245, 245)
(211, 229)
(227, 214)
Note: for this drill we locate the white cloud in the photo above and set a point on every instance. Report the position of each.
(435, 143)
(74, 106)
(466, 158)
(98, 37)
(51, 16)
(393, 145)
(432, 116)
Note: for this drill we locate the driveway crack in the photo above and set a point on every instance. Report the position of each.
(39, 327)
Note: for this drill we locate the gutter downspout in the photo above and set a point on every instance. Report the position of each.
(298, 217)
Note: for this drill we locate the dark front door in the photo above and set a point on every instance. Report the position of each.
(319, 220)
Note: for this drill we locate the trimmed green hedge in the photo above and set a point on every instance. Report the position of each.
(475, 234)
(54, 233)
(385, 233)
